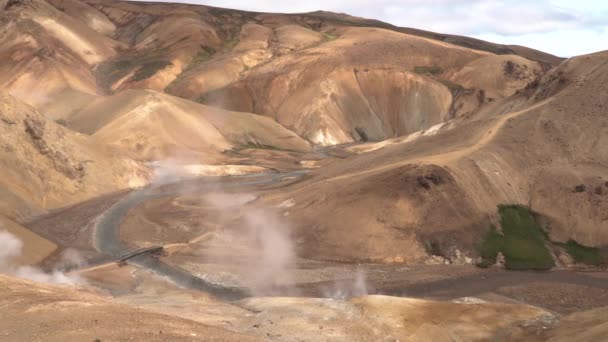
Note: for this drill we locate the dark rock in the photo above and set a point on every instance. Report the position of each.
(599, 191)
(362, 134)
(35, 128)
(435, 178)
(423, 182)
(580, 188)
(8, 121)
(426, 180)
(509, 68)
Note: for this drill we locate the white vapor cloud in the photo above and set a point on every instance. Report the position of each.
(11, 248)
(561, 27)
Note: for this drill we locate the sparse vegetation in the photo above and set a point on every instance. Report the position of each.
(149, 69)
(582, 254)
(492, 244)
(202, 56)
(253, 145)
(523, 242)
(433, 70)
(230, 44)
(329, 36)
(145, 67)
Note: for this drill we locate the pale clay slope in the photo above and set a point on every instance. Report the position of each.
(156, 126)
(324, 85)
(277, 319)
(333, 93)
(49, 166)
(51, 53)
(328, 93)
(34, 311)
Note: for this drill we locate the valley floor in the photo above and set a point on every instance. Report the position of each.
(199, 223)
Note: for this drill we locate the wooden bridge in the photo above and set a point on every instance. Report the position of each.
(155, 250)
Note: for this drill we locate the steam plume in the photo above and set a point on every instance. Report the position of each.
(11, 248)
(269, 251)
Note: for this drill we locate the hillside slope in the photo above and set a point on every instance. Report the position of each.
(547, 153)
(329, 78)
(32, 310)
(156, 126)
(45, 165)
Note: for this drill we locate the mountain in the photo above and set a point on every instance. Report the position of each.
(211, 86)
(346, 157)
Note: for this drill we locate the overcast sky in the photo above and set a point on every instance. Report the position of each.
(561, 27)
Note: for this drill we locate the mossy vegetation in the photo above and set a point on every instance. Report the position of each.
(492, 244)
(148, 70)
(254, 145)
(522, 242)
(230, 44)
(329, 36)
(582, 254)
(202, 56)
(433, 70)
(145, 67)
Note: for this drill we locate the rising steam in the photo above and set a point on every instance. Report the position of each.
(269, 256)
(11, 248)
(346, 289)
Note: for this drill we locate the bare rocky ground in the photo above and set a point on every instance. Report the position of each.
(200, 225)
(208, 252)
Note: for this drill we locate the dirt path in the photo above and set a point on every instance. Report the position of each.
(444, 159)
(490, 281)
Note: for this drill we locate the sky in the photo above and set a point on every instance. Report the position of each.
(562, 27)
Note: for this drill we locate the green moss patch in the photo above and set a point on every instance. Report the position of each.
(492, 244)
(523, 242)
(582, 254)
